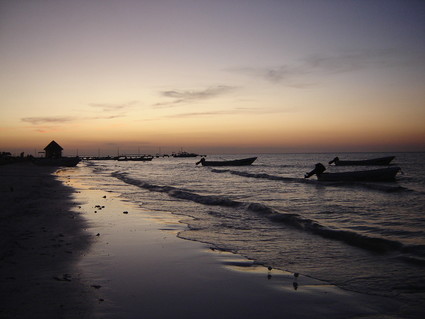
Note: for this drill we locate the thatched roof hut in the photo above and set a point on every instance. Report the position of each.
(53, 150)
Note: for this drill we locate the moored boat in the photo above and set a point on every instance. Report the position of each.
(374, 161)
(376, 175)
(60, 161)
(184, 154)
(236, 162)
(144, 158)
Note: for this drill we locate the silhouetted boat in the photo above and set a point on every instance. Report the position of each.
(237, 162)
(374, 161)
(185, 154)
(60, 161)
(376, 175)
(135, 158)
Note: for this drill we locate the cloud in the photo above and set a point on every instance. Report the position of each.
(43, 120)
(110, 107)
(49, 119)
(236, 111)
(289, 75)
(106, 117)
(199, 95)
(199, 114)
(183, 96)
(298, 74)
(352, 61)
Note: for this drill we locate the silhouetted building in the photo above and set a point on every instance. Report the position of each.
(53, 150)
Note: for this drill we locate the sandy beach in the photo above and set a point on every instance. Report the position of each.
(71, 251)
(40, 242)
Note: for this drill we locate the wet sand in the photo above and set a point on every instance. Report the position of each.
(71, 251)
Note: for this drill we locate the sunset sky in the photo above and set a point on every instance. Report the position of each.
(212, 76)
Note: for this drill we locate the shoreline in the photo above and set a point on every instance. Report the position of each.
(143, 267)
(127, 262)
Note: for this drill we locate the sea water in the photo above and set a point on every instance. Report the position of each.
(363, 237)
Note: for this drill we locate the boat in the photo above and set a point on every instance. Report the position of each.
(236, 162)
(185, 154)
(144, 158)
(59, 161)
(374, 161)
(376, 175)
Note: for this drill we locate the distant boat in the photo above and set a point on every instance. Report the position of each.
(185, 154)
(374, 161)
(237, 162)
(376, 175)
(144, 158)
(60, 161)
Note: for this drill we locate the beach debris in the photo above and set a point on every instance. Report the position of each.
(96, 286)
(295, 283)
(101, 299)
(65, 277)
(269, 275)
(104, 196)
(98, 234)
(125, 212)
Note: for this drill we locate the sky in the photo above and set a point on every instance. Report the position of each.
(212, 76)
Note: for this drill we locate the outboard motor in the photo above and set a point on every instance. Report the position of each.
(201, 161)
(335, 160)
(318, 169)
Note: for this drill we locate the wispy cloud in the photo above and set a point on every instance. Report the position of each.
(352, 61)
(289, 75)
(184, 96)
(111, 107)
(105, 117)
(49, 119)
(298, 74)
(235, 111)
(43, 124)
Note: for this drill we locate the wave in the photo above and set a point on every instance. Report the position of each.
(260, 175)
(179, 193)
(352, 238)
(377, 187)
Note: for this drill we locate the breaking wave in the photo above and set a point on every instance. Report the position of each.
(296, 221)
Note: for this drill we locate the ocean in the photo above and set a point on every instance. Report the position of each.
(362, 237)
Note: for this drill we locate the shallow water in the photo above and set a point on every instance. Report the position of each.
(364, 237)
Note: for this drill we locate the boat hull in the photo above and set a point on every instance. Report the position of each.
(376, 175)
(369, 162)
(238, 162)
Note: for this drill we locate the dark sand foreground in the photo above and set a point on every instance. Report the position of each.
(78, 252)
(40, 242)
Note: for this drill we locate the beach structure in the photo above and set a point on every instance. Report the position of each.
(53, 150)
(53, 157)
